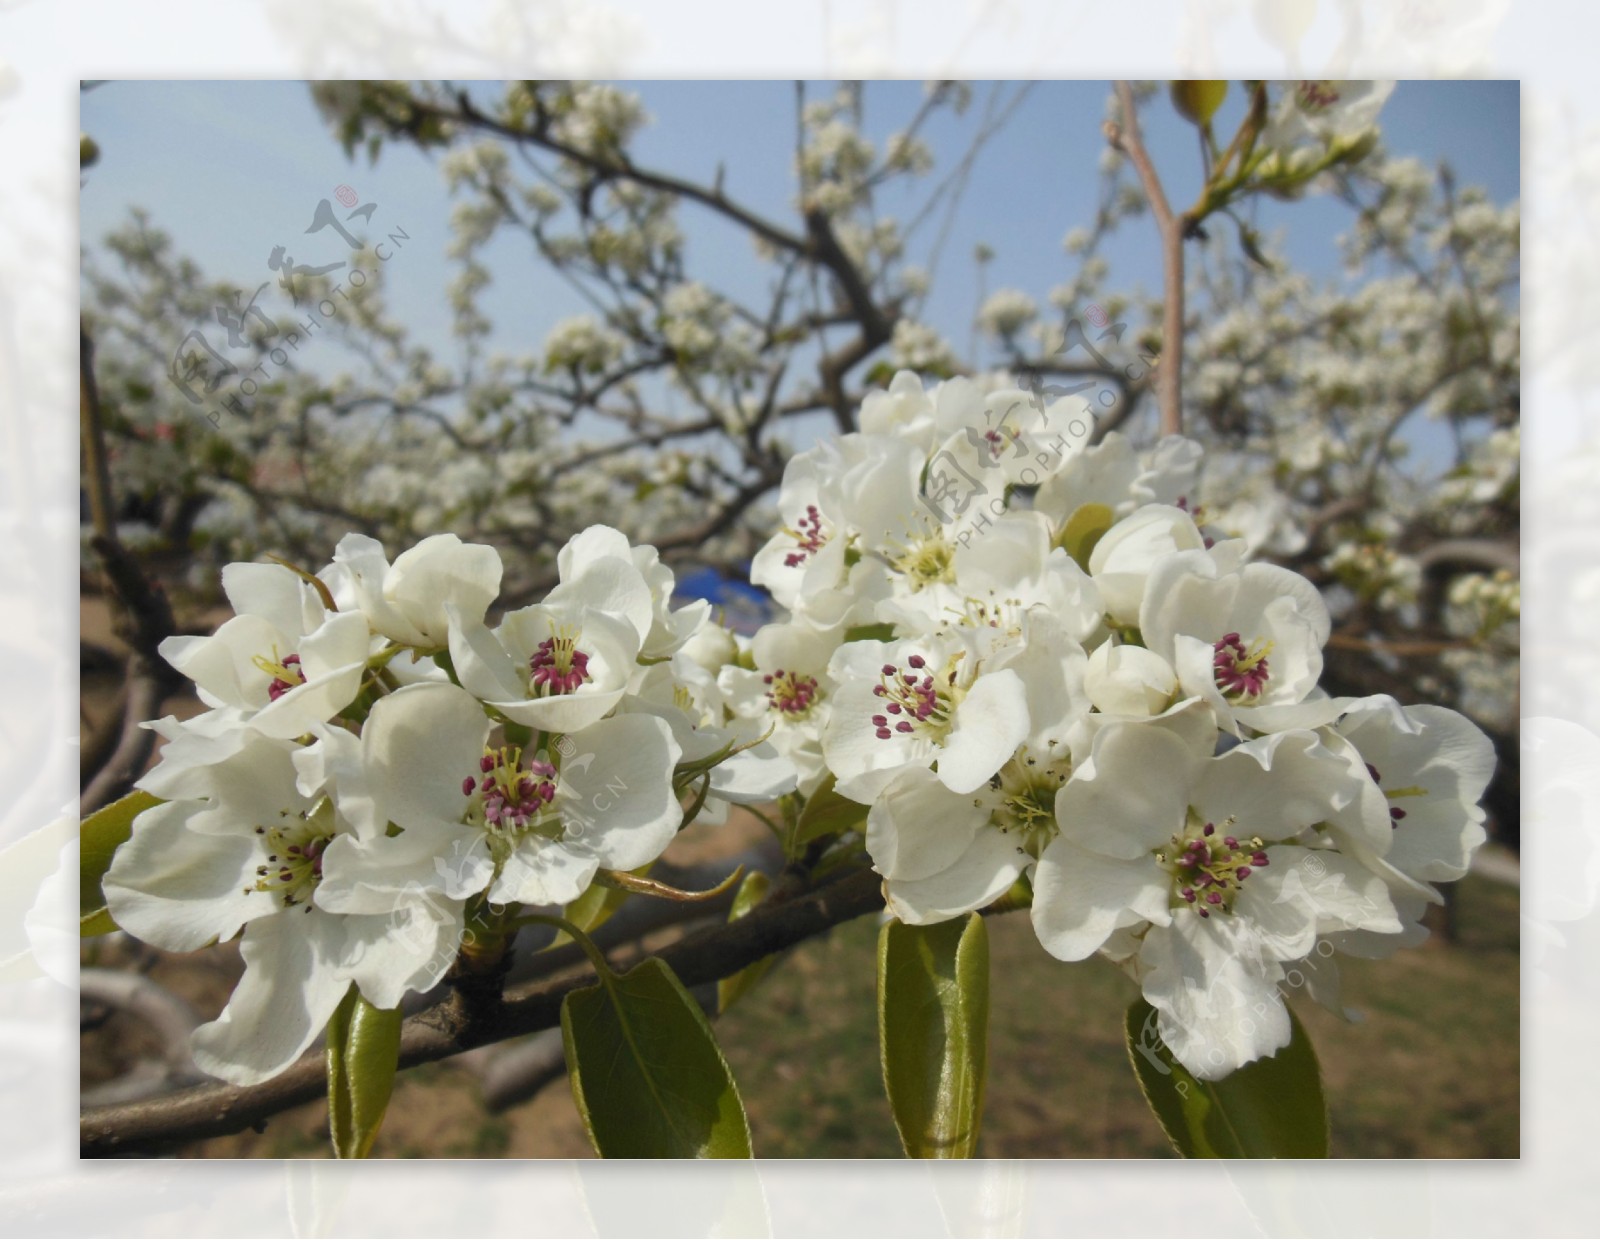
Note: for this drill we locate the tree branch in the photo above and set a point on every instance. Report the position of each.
(450, 1028)
(1169, 375)
(146, 616)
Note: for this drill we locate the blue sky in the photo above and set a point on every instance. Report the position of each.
(232, 169)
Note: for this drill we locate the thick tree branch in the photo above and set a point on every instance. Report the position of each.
(145, 619)
(449, 1028)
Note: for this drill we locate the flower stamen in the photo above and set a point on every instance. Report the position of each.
(809, 538)
(512, 798)
(1207, 869)
(1240, 673)
(285, 673)
(916, 700)
(294, 856)
(558, 666)
(791, 693)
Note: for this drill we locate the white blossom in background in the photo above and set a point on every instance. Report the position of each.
(600, 118)
(580, 343)
(1006, 312)
(916, 346)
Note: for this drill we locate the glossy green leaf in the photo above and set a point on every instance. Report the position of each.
(646, 1071)
(1084, 528)
(102, 833)
(933, 1032)
(363, 1056)
(1271, 1108)
(751, 892)
(825, 813)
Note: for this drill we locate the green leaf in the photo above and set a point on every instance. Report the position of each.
(1084, 528)
(1250, 240)
(933, 1032)
(646, 1072)
(870, 633)
(363, 1056)
(825, 813)
(1271, 1108)
(751, 892)
(102, 833)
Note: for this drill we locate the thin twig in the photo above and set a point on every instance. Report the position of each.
(1126, 138)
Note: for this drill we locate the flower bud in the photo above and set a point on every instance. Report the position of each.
(1198, 101)
(1129, 680)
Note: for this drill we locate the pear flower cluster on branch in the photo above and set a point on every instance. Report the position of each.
(1097, 698)
(382, 780)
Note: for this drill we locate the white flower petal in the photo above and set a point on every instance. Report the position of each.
(222, 665)
(271, 591)
(1080, 897)
(918, 828)
(1117, 805)
(438, 570)
(754, 776)
(179, 890)
(482, 665)
(291, 985)
(1302, 893)
(990, 722)
(545, 872)
(617, 790)
(1217, 997)
(981, 875)
(419, 743)
(609, 584)
(410, 949)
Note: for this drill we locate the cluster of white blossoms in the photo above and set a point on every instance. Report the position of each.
(581, 343)
(1096, 695)
(380, 774)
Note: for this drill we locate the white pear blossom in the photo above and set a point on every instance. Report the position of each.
(474, 820)
(944, 853)
(552, 666)
(915, 702)
(1237, 640)
(1129, 680)
(594, 567)
(1128, 552)
(788, 690)
(283, 661)
(408, 601)
(1327, 111)
(1006, 312)
(1221, 860)
(1431, 765)
(249, 855)
(691, 701)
